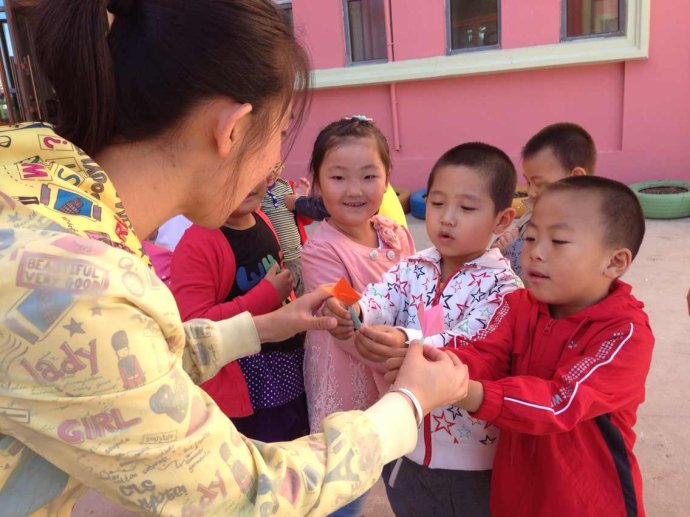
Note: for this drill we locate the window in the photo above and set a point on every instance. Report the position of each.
(473, 24)
(593, 17)
(365, 24)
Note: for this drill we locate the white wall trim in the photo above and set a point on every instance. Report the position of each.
(634, 45)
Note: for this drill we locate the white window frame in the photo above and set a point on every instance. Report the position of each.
(633, 44)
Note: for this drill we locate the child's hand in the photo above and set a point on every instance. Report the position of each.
(436, 377)
(379, 342)
(506, 239)
(289, 200)
(282, 281)
(303, 188)
(346, 327)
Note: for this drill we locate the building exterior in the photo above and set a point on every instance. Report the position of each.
(435, 73)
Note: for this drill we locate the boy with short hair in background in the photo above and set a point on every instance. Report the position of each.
(556, 152)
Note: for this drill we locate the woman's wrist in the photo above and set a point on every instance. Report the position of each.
(414, 403)
(393, 416)
(265, 328)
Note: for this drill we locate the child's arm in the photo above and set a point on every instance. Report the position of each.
(381, 302)
(488, 353)
(321, 264)
(609, 375)
(477, 314)
(195, 287)
(307, 206)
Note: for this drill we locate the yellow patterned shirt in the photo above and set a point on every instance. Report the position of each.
(96, 369)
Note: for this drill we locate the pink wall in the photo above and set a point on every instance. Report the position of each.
(638, 112)
(539, 17)
(428, 17)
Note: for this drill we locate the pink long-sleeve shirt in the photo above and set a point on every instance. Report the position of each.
(336, 377)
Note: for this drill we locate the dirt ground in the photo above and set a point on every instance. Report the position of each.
(661, 278)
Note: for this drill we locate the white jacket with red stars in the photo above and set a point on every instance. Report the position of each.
(449, 437)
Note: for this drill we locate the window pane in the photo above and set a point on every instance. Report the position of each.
(367, 23)
(473, 23)
(593, 17)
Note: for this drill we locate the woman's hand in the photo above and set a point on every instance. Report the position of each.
(378, 342)
(293, 318)
(282, 281)
(436, 377)
(346, 327)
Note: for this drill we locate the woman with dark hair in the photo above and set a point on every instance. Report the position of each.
(177, 108)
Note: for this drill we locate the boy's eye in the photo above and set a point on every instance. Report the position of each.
(530, 238)
(336, 178)
(370, 176)
(468, 208)
(436, 203)
(558, 242)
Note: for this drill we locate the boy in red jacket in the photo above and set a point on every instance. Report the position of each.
(561, 367)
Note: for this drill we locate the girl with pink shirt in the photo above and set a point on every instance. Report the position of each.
(350, 165)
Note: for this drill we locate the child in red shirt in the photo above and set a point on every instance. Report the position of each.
(561, 367)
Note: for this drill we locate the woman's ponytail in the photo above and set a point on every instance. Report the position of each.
(72, 50)
(160, 59)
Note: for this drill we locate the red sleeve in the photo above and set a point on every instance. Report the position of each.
(487, 353)
(196, 278)
(610, 375)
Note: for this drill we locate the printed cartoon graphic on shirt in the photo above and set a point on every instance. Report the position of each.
(69, 202)
(247, 279)
(61, 293)
(130, 371)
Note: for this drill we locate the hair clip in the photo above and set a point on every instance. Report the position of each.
(361, 118)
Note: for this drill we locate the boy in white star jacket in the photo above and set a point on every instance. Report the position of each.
(470, 190)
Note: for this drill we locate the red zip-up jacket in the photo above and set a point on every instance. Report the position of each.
(564, 393)
(202, 273)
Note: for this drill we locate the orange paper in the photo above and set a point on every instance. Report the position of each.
(343, 292)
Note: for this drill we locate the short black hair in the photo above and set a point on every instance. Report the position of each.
(620, 209)
(570, 143)
(489, 162)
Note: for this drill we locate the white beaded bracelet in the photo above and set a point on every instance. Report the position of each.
(419, 414)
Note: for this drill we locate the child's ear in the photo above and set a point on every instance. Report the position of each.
(578, 171)
(619, 263)
(228, 128)
(503, 220)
